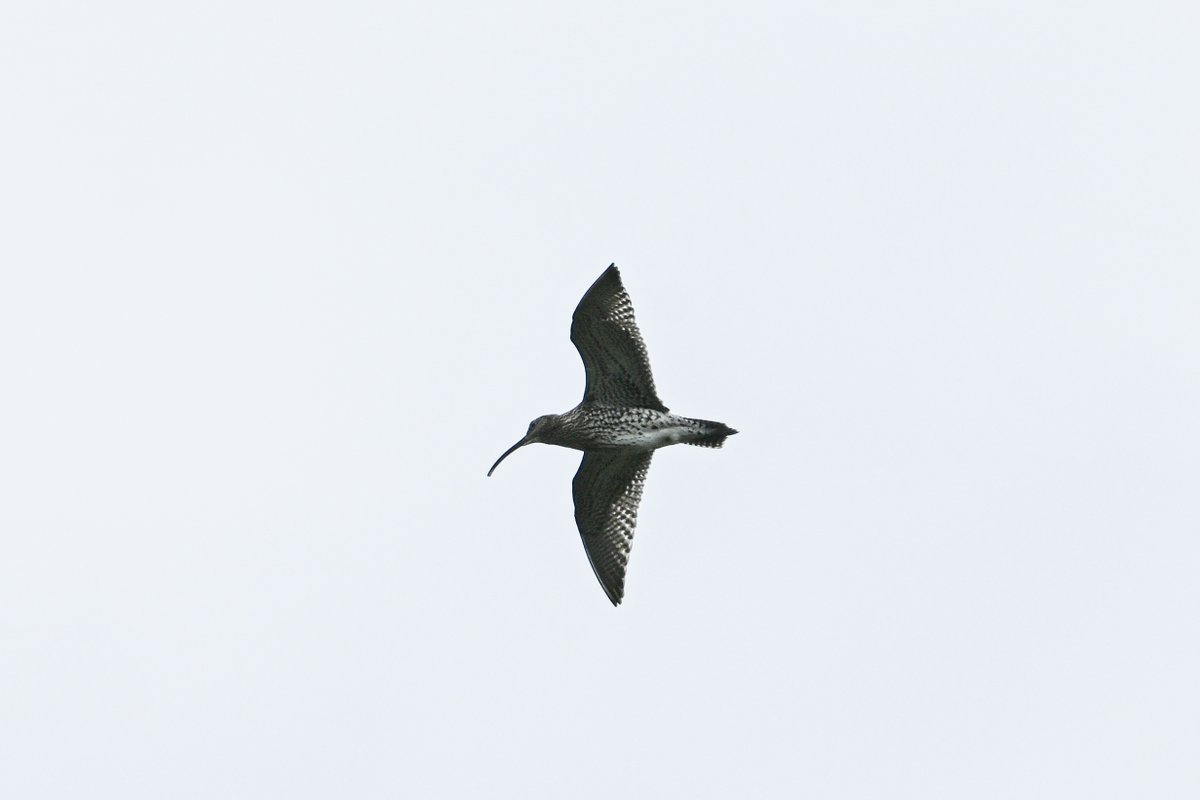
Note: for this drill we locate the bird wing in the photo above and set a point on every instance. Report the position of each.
(614, 355)
(607, 489)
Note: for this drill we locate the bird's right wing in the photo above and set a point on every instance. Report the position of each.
(610, 344)
(607, 489)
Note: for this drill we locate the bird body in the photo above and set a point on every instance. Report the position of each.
(618, 425)
(592, 426)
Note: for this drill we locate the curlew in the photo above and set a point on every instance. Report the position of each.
(618, 425)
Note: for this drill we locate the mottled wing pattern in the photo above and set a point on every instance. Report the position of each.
(607, 489)
(608, 340)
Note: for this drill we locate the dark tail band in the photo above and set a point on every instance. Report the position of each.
(711, 434)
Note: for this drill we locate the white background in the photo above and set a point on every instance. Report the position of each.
(280, 281)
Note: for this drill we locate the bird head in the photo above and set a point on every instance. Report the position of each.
(536, 429)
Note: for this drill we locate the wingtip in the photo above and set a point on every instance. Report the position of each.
(614, 590)
(608, 282)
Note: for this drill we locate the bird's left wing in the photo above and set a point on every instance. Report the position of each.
(615, 363)
(607, 489)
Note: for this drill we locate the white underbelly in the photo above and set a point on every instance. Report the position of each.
(654, 439)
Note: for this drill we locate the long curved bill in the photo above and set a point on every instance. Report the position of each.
(524, 441)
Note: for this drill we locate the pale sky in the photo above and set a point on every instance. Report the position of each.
(280, 281)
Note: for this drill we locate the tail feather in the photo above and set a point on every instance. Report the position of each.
(710, 434)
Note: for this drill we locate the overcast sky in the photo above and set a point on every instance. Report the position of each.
(280, 281)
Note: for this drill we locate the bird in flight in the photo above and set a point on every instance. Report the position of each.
(618, 425)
